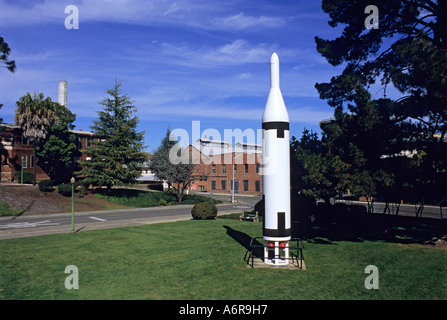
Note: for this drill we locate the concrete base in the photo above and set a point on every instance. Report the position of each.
(259, 263)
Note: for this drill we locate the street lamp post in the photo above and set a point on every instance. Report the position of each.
(21, 170)
(232, 188)
(72, 180)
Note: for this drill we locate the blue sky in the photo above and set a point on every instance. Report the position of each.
(180, 61)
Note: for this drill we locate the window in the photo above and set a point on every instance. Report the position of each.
(24, 161)
(257, 185)
(245, 168)
(213, 184)
(223, 184)
(213, 169)
(236, 185)
(224, 169)
(31, 161)
(245, 185)
(234, 168)
(257, 168)
(25, 141)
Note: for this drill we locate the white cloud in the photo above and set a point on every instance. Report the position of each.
(206, 15)
(305, 115)
(241, 21)
(244, 75)
(237, 52)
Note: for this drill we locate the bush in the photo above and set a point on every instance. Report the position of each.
(45, 185)
(204, 210)
(82, 187)
(27, 176)
(64, 189)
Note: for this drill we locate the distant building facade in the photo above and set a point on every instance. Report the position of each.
(221, 168)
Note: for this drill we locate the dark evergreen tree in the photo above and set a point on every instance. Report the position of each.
(317, 173)
(117, 156)
(10, 65)
(398, 144)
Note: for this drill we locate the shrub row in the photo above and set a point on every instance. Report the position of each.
(63, 188)
(27, 177)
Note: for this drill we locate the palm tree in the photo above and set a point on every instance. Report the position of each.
(35, 115)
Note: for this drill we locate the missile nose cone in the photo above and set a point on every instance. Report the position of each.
(275, 109)
(274, 71)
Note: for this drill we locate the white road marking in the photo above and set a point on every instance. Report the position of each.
(19, 225)
(99, 219)
(241, 207)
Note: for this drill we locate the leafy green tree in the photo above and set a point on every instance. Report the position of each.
(117, 157)
(316, 173)
(4, 53)
(35, 116)
(56, 153)
(1, 119)
(178, 174)
(408, 50)
(10, 66)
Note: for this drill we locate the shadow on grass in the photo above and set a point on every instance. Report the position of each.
(244, 240)
(328, 223)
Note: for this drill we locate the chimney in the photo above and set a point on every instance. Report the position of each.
(62, 94)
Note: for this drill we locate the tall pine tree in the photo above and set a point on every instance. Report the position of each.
(117, 157)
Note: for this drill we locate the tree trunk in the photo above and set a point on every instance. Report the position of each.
(419, 209)
(397, 208)
(179, 195)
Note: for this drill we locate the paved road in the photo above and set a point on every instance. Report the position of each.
(28, 226)
(404, 209)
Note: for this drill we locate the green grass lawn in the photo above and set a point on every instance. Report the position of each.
(5, 210)
(202, 260)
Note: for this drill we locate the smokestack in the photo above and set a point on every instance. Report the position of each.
(62, 94)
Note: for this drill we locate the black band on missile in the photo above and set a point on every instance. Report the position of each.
(277, 233)
(281, 231)
(280, 126)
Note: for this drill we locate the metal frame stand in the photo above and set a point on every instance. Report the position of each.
(279, 254)
(273, 250)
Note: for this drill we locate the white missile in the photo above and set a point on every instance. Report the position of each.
(277, 227)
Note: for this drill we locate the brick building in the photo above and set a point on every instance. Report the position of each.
(15, 150)
(215, 161)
